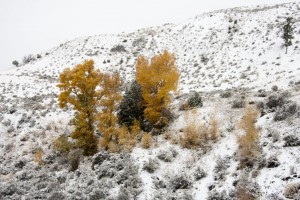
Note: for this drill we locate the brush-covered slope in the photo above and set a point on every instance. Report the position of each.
(239, 50)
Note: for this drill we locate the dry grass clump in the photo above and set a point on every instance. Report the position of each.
(184, 106)
(249, 149)
(195, 134)
(38, 157)
(213, 128)
(146, 140)
(292, 191)
(62, 144)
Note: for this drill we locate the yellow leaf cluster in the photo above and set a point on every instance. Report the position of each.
(157, 78)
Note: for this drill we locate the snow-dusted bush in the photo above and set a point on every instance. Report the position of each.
(226, 94)
(159, 183)
(199, 173)
(220, 169)
(262, 93)
(167, 155)
(118, 48)
(181, 181)
(274, 134)
(117, 169)
(274, 88)
(56, 195)
(215, 195)
(291, 141)
(99, 158)
(130, 179)
(204, 59)
(273, 196)
(8, 190)
(139, 42)
(286, 111)
(272, 162)
(6, 122)
(151, 165)
(74, 157)
(238, 103)
(246, 188)
(275, 101)
(98, 193)
(230, 126)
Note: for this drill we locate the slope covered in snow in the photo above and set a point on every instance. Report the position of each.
(237, 51)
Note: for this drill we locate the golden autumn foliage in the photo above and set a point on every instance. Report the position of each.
(79, 88)
(108, 121)
(195, 134)
(62, 145)
(38, 157)
(146, 140)
(157, 78)
(249, 149)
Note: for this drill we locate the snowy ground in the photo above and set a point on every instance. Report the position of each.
(211, 58)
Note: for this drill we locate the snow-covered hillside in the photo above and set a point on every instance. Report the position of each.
(228, 56)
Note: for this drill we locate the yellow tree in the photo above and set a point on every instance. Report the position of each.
(79, 88)
(108, 126)
(157, 78)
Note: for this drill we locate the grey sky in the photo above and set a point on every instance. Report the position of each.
(32, 26)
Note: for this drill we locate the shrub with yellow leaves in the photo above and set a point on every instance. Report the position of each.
(249, 148)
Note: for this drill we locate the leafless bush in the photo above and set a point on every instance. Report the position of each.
(27, 59)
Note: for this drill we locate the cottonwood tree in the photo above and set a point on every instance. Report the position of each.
(108, 121)
(157, 78)
(288, 33)
(79, 89)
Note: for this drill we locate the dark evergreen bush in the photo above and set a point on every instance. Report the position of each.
(15, 63)
(131, 107)
(195, 100)
(118, 48)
